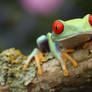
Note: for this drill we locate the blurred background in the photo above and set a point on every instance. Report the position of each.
(22, 21)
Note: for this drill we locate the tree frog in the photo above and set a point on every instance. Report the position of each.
(65, 34)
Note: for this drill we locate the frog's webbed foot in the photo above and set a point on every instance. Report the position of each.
(65, 57)
(38, 56)
(87, 44)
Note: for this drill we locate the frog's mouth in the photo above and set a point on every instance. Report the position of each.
(79, 35)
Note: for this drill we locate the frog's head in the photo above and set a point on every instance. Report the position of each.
(66, 29)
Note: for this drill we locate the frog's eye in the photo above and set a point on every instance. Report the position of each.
(57, 27)
(90, 20)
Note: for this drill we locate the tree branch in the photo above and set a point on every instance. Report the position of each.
(53, 78)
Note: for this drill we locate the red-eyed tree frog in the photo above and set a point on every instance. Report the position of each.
(65, 34)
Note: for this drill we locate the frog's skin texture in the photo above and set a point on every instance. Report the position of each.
(66, 34)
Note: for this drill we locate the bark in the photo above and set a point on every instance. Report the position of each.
(53, 78)
(5, 88)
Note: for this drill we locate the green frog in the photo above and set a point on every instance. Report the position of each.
(65, 36)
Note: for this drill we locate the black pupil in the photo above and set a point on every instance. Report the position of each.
(56, 27)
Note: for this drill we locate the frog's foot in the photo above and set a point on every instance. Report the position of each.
(87, 44)
(66, 72)
(68, 57)
(38, 56)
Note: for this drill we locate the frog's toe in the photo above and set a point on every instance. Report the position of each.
(43, 59)
(66, 72)
(75, 64)
(38, 58)
(87, 44)
(25, 67)
(40, 71)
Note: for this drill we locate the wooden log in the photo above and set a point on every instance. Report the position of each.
(53, 79)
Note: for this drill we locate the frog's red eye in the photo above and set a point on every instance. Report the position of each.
(90, 20)
(57, 27)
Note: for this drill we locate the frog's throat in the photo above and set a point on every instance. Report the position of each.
(73, 35)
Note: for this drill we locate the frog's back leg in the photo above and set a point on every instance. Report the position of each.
(42, 43)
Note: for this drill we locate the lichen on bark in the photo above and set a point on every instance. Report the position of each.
(11, 73)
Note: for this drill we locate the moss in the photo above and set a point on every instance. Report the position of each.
(11, 63)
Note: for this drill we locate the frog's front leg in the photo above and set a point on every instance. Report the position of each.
(57, 54)
(61, 56)
(37, 54)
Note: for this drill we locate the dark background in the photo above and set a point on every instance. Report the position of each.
(19, 27)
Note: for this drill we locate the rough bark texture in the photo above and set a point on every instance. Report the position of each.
(53, 78)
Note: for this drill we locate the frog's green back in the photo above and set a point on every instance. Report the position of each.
(79, 24)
